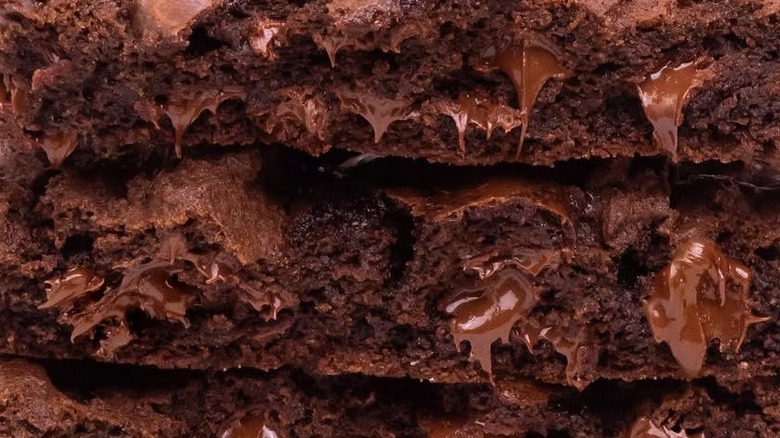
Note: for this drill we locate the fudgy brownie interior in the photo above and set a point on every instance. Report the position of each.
(387, 218)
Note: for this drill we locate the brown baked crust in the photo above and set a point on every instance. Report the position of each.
(121, 80)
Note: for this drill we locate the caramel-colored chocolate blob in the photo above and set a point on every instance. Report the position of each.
(58, 147)
(700, 296)
(663, 96)
(147, 287)
(265, 34)
(378, 111)
(168, 17)
(569, 341)
(644, 428)
(487, 313)
(251, 425)
(75, 283)
(331, 44)
(532, 261)
(529, 67)
(184, 112)
(480, 112)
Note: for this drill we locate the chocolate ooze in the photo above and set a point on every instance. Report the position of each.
(700, 296)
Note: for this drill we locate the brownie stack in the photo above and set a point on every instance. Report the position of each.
(389, 218)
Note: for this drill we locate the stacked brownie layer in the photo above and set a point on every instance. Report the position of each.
(257, 205)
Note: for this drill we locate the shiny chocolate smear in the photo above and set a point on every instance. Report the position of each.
(487, 313)
(644, 428)
(147, 287)
(532, 261)
(249, 426)
(184, 112)
(75, 283)
(168, 17)
(663, 96)
(379, 112)
(58, 147)
(529, 67)
(568, 341)
(480, 112)
(700, 296)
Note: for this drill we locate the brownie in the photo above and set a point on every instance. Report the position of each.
(536, 82)
(389, 219)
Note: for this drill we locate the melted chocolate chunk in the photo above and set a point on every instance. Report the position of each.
(264, 36)
(663, 96)
(531, 261)
(184, 112)
(58, 147)
(644, 428)
(480, 112)
(264, 300)
(487, 313)
(145, 286)
(451, 204)
(529, 67)
(252, 425)
(75, 283)
(378, 111)
(700, 296)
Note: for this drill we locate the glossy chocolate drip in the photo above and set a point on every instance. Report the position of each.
(532, 261)
(75, 283)
(451, 204)
(252, 425)
(264, 300)
(663, 96)
(379, 112)
(184, 112)
(529, 67)
(480, 112)
(331, 44)
(700, 296)
(568, 341)
(487, 313)
(58, 147)
(644, 428)
(167, 17)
